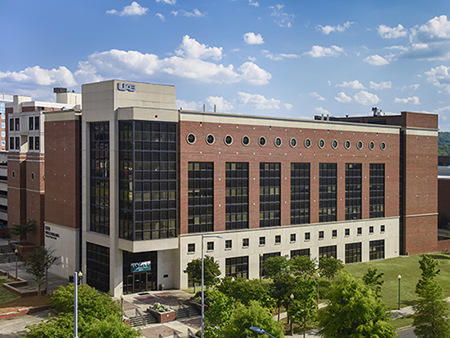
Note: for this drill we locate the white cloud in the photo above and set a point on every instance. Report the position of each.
(376, 60)
(162, 17)
(413, 87)
(439, 77)
(130, 10)
(222, 105)
(169, 2)
(319, 51)
(321, 110)
(281, 18)
(253, 74)
(381, 85)
(339, 28)
(391, 33)
(258, 101)
(366, 98)
(253, 39)
(287, 106)
(319, 98)
(278, 57)
(253, 3)
(351, 84)
(414, 100)
(397, 48)
(343, 98)
(188, 105)
(436, 29)
(252, 58)
(191, 49)
(43, 77)
(196, 13)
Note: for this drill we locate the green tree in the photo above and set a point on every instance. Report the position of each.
(111, 326)
(219, 313)
(374, 279)
(303, 265)
(304, 307)
(330, 266)
(246, 290)
(354, 311)
(23, 228)
(281, 288)
(276, 266)
(245, 317)
(194, 270)
(37, 264)
(431, 311)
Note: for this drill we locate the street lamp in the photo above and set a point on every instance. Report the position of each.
(203, 281)
(290, 318)
(318, 276)
(77, 277)
(399, 278)
(16, 252)
(80, 277)
(260, 331)
(260, 265)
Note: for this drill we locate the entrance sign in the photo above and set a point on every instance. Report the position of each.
(141, 267)
(126, 86)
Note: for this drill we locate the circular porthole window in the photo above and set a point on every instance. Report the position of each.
(13, 174)
(382, 145)
(359, 145)
(321, 143)
(347, 144)
(262, 141)
(245, 140)
(210, 139)
(334, 144)
(293, 142)
(32, 176)
(191, 138)
(278, 142)
(371, 145)
(307, 143)
(228, 140)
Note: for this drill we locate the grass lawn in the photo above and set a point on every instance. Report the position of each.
(5, 295)
(408, 268)
(402, 322)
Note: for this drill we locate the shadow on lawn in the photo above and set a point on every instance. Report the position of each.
(440, 256)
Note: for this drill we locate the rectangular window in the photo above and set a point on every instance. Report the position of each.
(11, 124)
(36, 143)
(347, 232)
(262, 240)
(228, 244)
(3, 133)
(31, 143)
(200, 197)
(99, 172)
(245, 242)
(237, 266)
(17, 143)
(353, 195)
(352, 253)
(97, 266)
(327, 192)
(359, 231)
(210, 246)
(293, 237)
(36, 123)
(328, 251)
(191, 247)
(11, 143)
(31, 123)
(3, 125)
(307, 236)
(376, 250)
(277, 239)
(381, 228)
(269, 194)
(321, 234)
(371, 230)
(262, 259)
(300, 193)
(377, 173)
(334, 234)
(17, 124)
(236, 195)
(300, 252)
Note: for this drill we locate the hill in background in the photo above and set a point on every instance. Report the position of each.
(444, 144)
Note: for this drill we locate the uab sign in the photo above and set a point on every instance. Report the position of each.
(126, 87)
(141, 267)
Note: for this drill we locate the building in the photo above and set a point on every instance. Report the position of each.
(134, 187)
(4, 99)
(26, 164)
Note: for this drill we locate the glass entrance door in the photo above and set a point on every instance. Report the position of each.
(139, 281)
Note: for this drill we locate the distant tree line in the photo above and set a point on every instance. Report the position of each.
(444, 144)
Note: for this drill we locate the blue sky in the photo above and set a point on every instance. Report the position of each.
(276, 58)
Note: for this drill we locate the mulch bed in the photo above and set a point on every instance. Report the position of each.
(24, 302)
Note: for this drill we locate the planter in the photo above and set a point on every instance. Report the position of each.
(162, 317)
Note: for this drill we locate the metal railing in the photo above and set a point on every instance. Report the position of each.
(138, 313)
(6, 255)
(182, 307)
(176, 335)
(191, 334)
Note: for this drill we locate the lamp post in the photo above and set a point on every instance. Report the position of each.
(260, 331)
(260, 265)
(16, 252)
(80, 277)
(318, 276)
(292, 323)
(399, 278)
(75, 310)
(203, 282)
